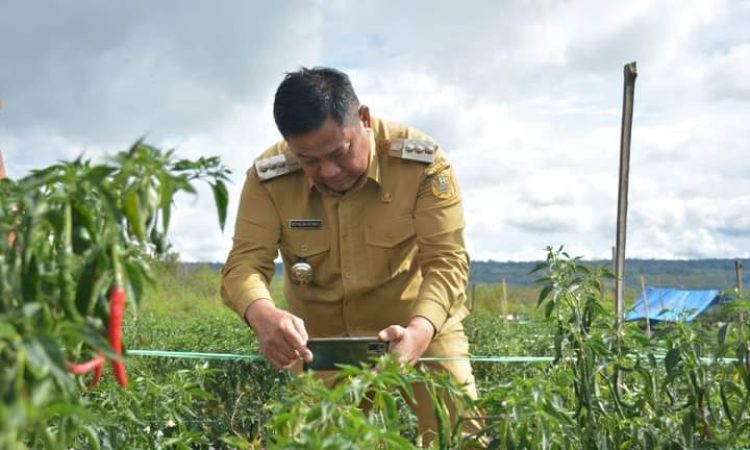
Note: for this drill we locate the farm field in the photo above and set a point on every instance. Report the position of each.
(193, 403)
(78, 239)
(183, 313)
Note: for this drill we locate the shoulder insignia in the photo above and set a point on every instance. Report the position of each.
(413, 149)
(443, 185)
(275, 166)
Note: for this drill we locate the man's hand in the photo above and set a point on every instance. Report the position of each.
(281, 335)
(410, 342)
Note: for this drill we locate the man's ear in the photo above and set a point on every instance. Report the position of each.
(364, 116)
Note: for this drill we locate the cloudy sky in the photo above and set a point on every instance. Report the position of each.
(526, 97)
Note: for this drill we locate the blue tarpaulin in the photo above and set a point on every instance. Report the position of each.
(672, 305)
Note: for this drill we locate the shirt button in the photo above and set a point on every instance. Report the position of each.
(303, 247)
(387, 197)
(347, 275)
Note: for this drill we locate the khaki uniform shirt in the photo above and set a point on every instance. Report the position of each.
(389, 249)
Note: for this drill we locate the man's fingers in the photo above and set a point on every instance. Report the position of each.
(304, 352)
(289, 354)
(292, 336)
(392, 333)
(279, 346)
(296, 340)
(283, 355)
(299, 325)
(281, 360)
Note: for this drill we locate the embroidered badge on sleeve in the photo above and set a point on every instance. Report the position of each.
(443, 186)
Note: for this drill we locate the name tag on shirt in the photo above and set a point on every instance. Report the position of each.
(305, 224)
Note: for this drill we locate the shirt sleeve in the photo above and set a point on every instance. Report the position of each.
(444, 262)
(250, 265)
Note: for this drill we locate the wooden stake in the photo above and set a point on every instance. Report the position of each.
(630, 73)
(614, 271)
(505, 300)
(738, 273)
(645, 306)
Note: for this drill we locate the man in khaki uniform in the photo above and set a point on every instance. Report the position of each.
(368, 218)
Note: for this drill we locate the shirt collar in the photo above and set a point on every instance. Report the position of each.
(373, 169)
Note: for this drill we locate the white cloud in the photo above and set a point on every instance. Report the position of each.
(526, 98)
(104, 74)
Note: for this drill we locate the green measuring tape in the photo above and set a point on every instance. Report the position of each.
(195, 355)
(257, 357)
(477, 359)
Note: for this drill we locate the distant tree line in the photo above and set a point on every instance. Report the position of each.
(685, 274)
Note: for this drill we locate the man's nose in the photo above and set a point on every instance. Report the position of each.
(329, 169)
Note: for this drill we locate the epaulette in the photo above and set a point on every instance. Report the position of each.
(275, 166)
(413, 149)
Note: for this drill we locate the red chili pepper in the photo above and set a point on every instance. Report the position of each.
(116, 309)
(97, 372)
(88, 366)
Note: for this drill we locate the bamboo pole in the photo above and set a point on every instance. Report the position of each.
(630, 74)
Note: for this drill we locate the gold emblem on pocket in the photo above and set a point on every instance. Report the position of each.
(301, 273)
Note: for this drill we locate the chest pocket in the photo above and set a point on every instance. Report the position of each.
(391, 246)
(312, 246)
(306, 243)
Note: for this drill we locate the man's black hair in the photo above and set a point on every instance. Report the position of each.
(307, 97)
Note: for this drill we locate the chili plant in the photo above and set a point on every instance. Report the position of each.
(329, 415)
(74, 236)
(733, 340)
(612, 386)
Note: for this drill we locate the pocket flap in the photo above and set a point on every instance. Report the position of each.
(390, 234)
(306, 243)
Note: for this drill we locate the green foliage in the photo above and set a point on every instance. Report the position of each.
(74, 224)
(611, 386)
(329, 415)
(520, 304)
(68, 233)
(189, 290)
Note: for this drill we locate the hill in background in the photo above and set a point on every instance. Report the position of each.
(685, 274)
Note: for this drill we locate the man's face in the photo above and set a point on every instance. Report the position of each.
(335, 156)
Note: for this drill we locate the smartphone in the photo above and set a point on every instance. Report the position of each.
(329, 353)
